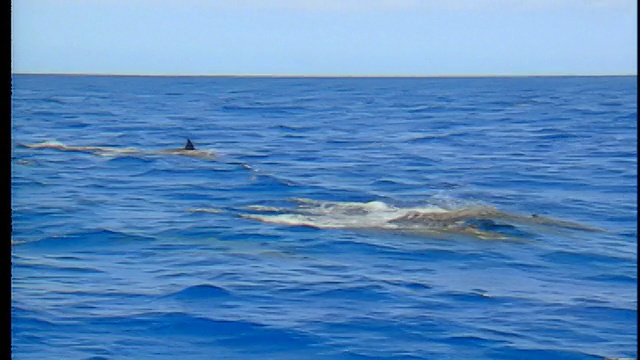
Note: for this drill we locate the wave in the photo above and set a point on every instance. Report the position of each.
(45, 113)
(610, 278)
(428, 109)
(49, 268)
(203, 291)
(63, 112)
(234, 332)
(431, 137)
(64, 100)
(360, 292)
(82, 240)
(569, 257)
(273, 109)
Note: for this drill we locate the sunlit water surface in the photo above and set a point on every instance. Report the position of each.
(148, 256)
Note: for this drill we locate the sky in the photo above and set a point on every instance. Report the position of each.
(325, 37)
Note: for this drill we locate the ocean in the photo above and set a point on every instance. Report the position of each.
(294, 235)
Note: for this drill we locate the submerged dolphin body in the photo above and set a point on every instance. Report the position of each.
(188, 150)
(471, 219)
(484, 222)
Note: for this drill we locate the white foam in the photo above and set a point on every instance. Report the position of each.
(262, 208)
(207, 210)
(47, 144)
(380, 215)
(336, 214)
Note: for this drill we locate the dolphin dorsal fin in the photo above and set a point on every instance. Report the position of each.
(189, 145)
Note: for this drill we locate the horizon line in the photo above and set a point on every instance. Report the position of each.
(326, 75)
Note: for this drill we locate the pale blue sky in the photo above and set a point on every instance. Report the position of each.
(325, 37)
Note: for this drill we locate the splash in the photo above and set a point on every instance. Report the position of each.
(335, 214)
(479, 221)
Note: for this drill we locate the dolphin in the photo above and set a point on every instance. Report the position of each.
(484, 222)
(188, 150)
(473, 218)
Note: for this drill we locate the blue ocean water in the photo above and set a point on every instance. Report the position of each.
(150, 255)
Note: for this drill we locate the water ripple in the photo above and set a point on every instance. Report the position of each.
(151, 256)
